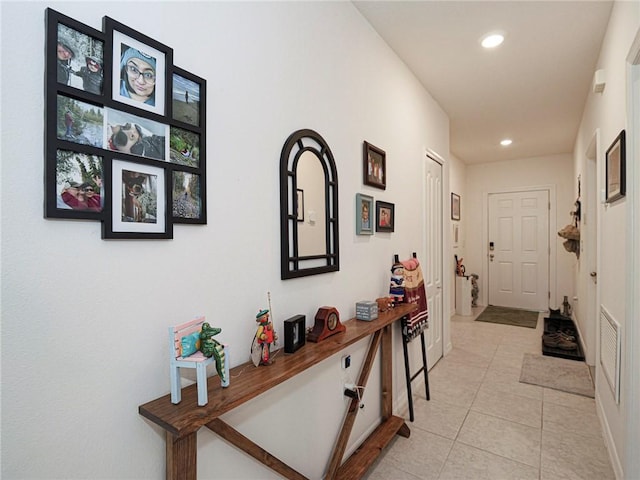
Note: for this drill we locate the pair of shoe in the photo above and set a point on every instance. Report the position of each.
(558, 341)
(566, 335)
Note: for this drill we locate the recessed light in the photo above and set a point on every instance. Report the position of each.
(492, 40)
(506, 142)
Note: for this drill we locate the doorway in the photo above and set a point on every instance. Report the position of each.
(432, 264)
(518, 249)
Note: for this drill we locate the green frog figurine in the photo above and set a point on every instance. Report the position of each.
(212, 348)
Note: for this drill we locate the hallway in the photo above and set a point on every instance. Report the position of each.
(482, 423)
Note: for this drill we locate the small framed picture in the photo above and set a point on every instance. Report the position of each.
(79, 122)
(294, 333)
(187, 97)
(455, 206)
(79, 59)
(364, 205)
(615, 169)
(184, 147)
(139, 70)
(455, 235)
(78, 191)
(374, 166)
(135, 135)
(186, 198)
(385, 216)
(138, 202)
(300, 205)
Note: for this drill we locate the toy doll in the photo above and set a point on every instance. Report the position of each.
(265, 337)
(396, 285)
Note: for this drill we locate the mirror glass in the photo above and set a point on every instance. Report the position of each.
(308, 206)
(311, 205)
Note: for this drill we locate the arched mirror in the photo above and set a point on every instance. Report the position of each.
(308, 206)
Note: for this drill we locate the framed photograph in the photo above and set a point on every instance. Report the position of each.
(300, 205)
(615, 169)
(455, 235)
(455, 206)
(79, 191)
(184, 147)
(385, 216)
(374, 166)
(186, 95)
(294, 333)
(80, 122)
(79, 58)
(133, 135)
(364, 205)
(187, 198)
(138, 202)
(139, 68)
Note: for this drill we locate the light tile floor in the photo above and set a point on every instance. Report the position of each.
(482, 423)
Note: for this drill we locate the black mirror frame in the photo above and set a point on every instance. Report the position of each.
(299, 142)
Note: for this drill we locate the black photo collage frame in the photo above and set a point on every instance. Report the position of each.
(125, 135)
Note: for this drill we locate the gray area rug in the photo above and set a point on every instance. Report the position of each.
(557, 373)
(509, 316)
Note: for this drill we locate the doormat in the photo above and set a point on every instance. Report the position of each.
(509, 316)
(557, 373)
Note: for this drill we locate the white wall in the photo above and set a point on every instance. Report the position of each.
(555, 170)
(606, 113)
(84, 320)
(457, 183)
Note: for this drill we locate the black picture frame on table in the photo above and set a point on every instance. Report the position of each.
(615, 165)
(91, 130)
(374, 166)
(385, 216)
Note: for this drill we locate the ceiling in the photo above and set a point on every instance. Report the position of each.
(531, 89)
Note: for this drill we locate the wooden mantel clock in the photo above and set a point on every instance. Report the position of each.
(327, 324)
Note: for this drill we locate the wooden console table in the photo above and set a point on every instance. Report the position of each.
(183, 421)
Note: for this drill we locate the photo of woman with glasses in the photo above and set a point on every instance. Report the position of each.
(138, 76)
(138, 73)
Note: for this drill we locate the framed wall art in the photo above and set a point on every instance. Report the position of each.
(385, 217)
(374, 166)
(615, 169)
(125, 140)
(455, 206)
(364, 208)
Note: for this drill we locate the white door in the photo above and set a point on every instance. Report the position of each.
(432, 265)
(519, 249)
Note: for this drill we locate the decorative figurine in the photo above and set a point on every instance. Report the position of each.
(265, 337)
(212, 348)
(384, 303)
(566, 307)
(474, 289)
(396, 285)
(459, 267)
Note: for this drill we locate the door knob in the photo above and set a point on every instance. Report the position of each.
(491, 255)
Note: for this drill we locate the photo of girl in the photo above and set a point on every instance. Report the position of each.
(138, 74)
(80, 122)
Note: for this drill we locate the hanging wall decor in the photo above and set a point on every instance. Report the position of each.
(616, 169)
(125, 131)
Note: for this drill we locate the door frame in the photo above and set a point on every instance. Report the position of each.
(445, 240)
(551, 189)
(632, 397)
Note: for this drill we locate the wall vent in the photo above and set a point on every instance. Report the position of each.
(610, 351)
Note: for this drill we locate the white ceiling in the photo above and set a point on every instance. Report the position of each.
(531, 89)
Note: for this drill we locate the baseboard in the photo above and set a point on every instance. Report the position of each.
(608, 440)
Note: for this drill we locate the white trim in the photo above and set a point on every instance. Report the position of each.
(553, 300)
